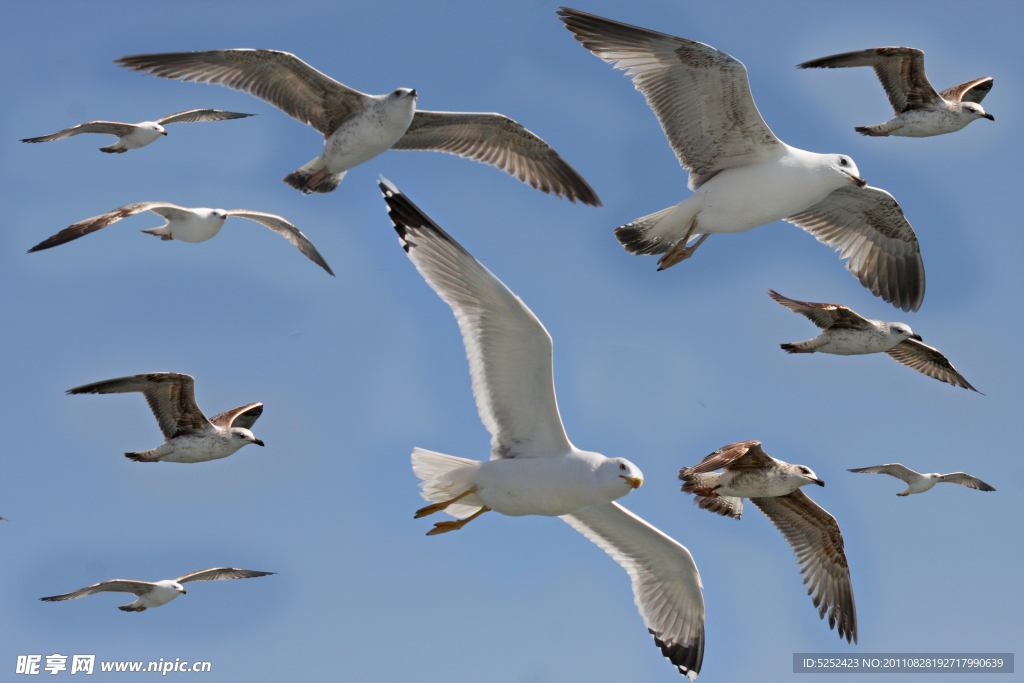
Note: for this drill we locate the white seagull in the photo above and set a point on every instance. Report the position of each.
(741, 174)
(159, 593)
(920, 111)
(919, 483)
(357, 127)
(844, 333)
(534, 469)
(135, 135)
(187, 225)
(774, 487)
(189, 436)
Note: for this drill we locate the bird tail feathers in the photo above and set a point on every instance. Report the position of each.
(143, 456)
(313, 177)
(444, 477)
(642, 237)
(113, 149)
(876, 131)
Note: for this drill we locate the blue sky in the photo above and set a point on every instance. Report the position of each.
(354, 371)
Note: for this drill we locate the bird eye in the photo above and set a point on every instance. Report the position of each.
(842, 162)
(622, 467)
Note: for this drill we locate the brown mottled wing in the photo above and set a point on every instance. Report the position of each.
(113, 586)
(199, 115)
(814, 536)
(928, 360)
(736, 455)
(170, 396)
(501, 142)
(221, 574)
(900, 70)
(825, 316)
(82, 228)
(700, 95)
(280, 78)
(967, 480)
(286, 230)
(971, 91)
(102, 127)
(867, 225)
(242, 416)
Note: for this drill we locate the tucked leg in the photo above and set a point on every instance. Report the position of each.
(437, 507)
(681, 252)
(445, 527)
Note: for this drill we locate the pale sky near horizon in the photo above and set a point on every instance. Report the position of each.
(355, 371)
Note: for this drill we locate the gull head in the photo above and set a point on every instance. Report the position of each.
(178, 587)
(402, 93)
(806, 475)
(219, 214)
(244, 436)
(975, 111)
(153, 127)
(901, 331)
(620, 476)
(844, 165)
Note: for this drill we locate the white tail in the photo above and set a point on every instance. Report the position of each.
(444, 477)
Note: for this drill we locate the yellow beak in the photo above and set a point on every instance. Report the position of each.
(635, 482)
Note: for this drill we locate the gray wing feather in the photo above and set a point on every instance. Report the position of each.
(929, 361)
(971, 91)
(967, 480)
(286, 230)
(900, 70)
(893, 470)
(867, 225)
(501, 142)
(103, 127)
(279, 78)
(700, 95)
(242, 416)
(170, 395)
(814, 536)
(82, 228)
(200, 115)
(825, 316)
(221, 574)
(113, 586)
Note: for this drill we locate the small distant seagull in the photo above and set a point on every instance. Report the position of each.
(135, 135)
(187, 225)
(847, 334)
(774, 487)
(920, 111)
(534, 469)
(742, 175)
(357, 127)
(188, 435)
(159, 593)
(919, 483)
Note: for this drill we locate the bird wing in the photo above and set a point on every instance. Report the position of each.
(967, 480)
(509, 350)
(867, 225)
(242, 416)
(279, 78)
(928, 360)
(221, 574)
(199, 115)
(666, 583)
(814, 536)
(825, 316)
(104, 127)
(894, 470)
(900, 70)
(734, 456)
(136, 588)
(286, 230)
(971, 91)
(501, 142)
(700, 95)
(82, 228)
(170, 395)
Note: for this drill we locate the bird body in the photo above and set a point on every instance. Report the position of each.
(197, 225)
(919, 483)
(143, 134)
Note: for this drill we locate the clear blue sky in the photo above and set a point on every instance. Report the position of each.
(355, 371)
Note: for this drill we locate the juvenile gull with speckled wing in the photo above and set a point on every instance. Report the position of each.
(741, 174)
(919, 483)
(189, 436)
(358, 127)
(774, 487)
(136, 135)
(845, 333)
(534, 469)
(920, 111)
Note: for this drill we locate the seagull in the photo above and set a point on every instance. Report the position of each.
(187, 225)
(919, 483)
(920, 111)
(847, 334)
(136, 135)
(534, 469)
(159, 593)
(741, 174)
(357, 127)
(189, 436)
(774, 487)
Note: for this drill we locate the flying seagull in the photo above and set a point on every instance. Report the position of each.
(844, 333)
(741, 174)
(774, 487)
(159, 593)
(357, 127)
(920, 111)
(187, 225)
(189, 436)
(135, 135)
(534, 469)
(919, 483)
